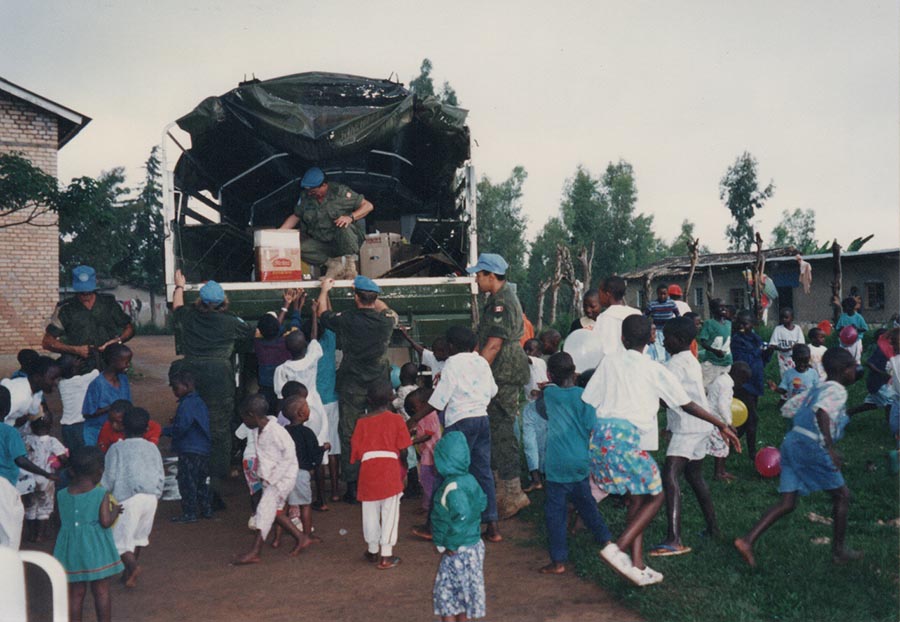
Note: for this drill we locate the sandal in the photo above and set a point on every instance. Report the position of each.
(668, 550)
(371, 557)
(388, 562)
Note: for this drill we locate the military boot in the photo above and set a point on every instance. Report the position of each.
(514, 499)
(341, 268)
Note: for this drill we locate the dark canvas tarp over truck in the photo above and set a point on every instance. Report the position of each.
(250, 146)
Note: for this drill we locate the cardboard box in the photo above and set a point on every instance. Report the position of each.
(277, 255)
(378, 253)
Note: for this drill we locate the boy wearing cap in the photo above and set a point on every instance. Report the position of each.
(676, 295)
(329, 214)
(365, 331)
(86, 323)
(499, 330)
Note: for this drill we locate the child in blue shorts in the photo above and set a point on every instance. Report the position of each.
(809, 461)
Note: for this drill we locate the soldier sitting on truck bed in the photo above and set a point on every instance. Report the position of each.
(329, 221)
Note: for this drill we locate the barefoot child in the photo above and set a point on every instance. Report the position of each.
(379, 442)
(85, 545)
(567, 463)
(309, 456)
(277, 471)
(134, 476)
(809, 461)
(192, 441)
(48, 453)
(109, 386)
(817, 350)
(625, 390)
(459, 584)
(690, 438)
(303, 368)
(720, 394)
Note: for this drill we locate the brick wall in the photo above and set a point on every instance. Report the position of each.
(29, 255)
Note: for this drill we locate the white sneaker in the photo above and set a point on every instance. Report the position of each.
(650, 576)
(618, 561)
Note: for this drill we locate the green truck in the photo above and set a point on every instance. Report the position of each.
(240, 159)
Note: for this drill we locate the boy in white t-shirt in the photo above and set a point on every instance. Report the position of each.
(817, 350)
(785, 335)
(72, 388)
(690, 438)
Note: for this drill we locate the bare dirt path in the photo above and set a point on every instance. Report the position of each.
(187, 573)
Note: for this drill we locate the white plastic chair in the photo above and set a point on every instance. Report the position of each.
(12, 584)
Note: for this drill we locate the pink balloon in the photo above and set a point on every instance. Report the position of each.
(768, 462)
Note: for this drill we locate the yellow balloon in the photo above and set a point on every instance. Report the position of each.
(739, 412)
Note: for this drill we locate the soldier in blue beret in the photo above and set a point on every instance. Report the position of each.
(85, 324)
(329, 214)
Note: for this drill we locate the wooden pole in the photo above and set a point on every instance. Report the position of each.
(710, 289)
(542, 294)
(694, 247)
(757, 279)
(836, 292)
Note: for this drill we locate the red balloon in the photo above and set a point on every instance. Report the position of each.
(768, 462)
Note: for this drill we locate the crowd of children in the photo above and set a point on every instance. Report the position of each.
(585, 435)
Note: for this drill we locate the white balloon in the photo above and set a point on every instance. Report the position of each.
(584, 348)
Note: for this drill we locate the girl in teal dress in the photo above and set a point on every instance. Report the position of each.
(85, 545)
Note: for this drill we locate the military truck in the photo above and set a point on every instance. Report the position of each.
(238, 170)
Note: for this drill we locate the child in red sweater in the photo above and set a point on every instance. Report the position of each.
(379, 442)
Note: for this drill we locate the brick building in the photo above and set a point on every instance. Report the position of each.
(37, 128)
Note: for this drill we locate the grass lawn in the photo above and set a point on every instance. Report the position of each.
(795, 579)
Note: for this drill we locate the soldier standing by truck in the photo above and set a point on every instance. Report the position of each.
(209, 335)
(330, 220)
(364, 333)
(500, 328)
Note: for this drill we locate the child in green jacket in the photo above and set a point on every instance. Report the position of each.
(456, 528)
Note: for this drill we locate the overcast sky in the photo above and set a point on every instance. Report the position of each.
(679, 90)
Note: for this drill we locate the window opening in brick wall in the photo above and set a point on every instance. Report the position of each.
(698, 298)
(736, 297)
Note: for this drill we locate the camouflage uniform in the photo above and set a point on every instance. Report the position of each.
(323, 239)
(77, 325)
(364, 335)
(502, 317)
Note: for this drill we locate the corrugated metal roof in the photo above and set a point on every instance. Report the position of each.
(681, 265)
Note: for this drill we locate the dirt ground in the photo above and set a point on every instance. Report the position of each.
(187, 573)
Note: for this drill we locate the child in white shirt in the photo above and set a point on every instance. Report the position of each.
(48, 453)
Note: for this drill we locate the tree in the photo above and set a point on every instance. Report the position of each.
(740, 191)
(541, 265)
(26, 192)
(147, 237)
(501, 224)
(423, 85)
(797, 229)
(94, 224)
(603, 211)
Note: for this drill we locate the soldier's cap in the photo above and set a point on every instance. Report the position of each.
(365, 284)
(212, 293)
(312, 178)
(489, 262)
(84, 279)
